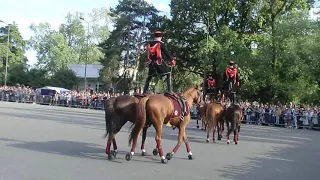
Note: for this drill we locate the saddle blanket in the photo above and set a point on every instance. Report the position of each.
(177, 112)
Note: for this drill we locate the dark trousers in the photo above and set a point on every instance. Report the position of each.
(229, 90)
(158, 70)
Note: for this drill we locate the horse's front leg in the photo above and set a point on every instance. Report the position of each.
(220, 131)
(204, 125)
(176, 148)
(185, 139)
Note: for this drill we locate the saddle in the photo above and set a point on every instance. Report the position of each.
(181, 107)
(139, 96)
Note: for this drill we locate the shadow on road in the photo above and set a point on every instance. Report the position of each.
(66, 148)
(77, 149)
(281, 163)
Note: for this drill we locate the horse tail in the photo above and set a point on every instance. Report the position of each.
(233, 122)
(109, 115)
(140, 119)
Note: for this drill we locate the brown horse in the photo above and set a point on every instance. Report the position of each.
(214, 114)
(233, 115)
(201, 115)
(161, 109)
(118, 111)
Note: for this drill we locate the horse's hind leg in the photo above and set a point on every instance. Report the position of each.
(235, 138)
(158, 139)
(111, 155)
(228, 136)
(144, 136)
(208, 136)
(238, 133)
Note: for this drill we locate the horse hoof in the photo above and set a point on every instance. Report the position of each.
(220, 137)
(236, 142)
(169, 156)
(114, 153)
(198, 127)
(110, 157)
(128, 156)
(155, 152)
(144, 153)
(164, 161)
(228, 142)
(208, 140)
(190, 157)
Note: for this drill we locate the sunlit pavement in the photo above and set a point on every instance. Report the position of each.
(57, 143)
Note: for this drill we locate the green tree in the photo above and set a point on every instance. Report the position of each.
(125, 45)
(52, 48)
(17, 48)
(68, 45)
(64, 78)
(38, 78)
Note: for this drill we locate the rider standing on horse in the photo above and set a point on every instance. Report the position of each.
(210, 86)
(231, 79)
(157, 66)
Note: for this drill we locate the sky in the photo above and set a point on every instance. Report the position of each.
(25, 12)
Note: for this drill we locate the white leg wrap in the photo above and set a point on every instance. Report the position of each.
(162, 157)
(190, 153)
(132, 153)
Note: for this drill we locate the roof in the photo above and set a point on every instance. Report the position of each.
(58, 89)
(92, 70)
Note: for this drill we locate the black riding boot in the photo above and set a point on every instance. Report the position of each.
(169, 83)
(232, 98)
(204, 97)
(146, 85)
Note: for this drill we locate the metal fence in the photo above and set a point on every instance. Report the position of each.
(54, 100)
(297, 120)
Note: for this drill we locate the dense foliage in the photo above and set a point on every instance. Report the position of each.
(274, 43)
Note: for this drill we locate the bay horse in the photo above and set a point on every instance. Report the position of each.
(233, 115)
(160, 109)
(201, 115)
(213, 117)
(118, 111)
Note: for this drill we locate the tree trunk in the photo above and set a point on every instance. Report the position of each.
(274, 48)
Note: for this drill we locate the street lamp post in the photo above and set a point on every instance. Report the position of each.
(86, 62)
(7, 56)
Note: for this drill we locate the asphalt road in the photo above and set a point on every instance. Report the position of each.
(56, 143)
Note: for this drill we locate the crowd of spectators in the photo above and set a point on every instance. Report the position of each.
(25, 94)
(290, 116)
